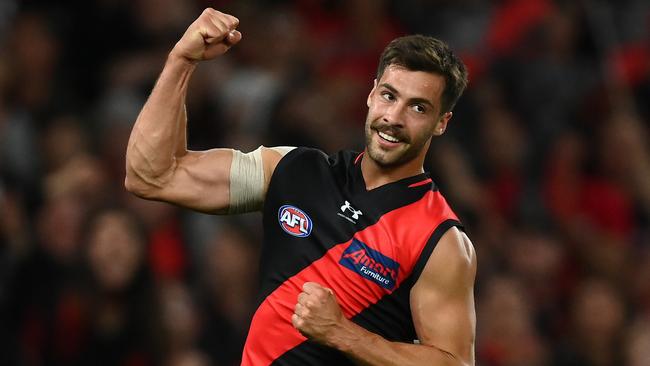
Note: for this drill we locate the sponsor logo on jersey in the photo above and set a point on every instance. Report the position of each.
(347, 208)
(370, 264)
(294, 221)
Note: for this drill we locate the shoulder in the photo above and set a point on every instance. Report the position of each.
(456, 247)
(288, 154)
(299, 162)
(278, 156)
(307, 155)
(453, 261)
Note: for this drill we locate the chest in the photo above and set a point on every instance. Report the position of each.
(319, 219)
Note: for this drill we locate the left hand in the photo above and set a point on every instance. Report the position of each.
(317, 314)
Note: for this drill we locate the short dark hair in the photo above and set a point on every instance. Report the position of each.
(424, 53)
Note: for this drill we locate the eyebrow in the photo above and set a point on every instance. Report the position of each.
(412, 100)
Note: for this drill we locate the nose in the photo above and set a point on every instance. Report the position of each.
(393, 114)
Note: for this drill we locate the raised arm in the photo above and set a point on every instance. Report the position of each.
(442, 304)
(158, 164)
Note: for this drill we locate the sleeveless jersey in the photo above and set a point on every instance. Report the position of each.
(368, 246)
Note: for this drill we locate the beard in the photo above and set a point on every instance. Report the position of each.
(409, 149)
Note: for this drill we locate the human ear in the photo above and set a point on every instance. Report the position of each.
(442, 124)
(371, 92)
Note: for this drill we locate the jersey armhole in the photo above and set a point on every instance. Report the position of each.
(431, 244)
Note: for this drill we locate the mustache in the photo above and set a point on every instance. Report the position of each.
(390, 129)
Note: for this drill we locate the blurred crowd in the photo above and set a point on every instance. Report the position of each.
(546, 161)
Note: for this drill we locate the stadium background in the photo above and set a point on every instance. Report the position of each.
(546, 161)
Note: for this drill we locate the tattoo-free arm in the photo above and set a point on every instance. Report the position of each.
(442, 304)
(158, 164)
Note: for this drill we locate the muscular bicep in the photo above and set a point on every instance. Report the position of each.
(198, 180)
(442, 300)
(219, 181)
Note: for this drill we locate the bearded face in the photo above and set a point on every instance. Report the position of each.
(403, 115)
(391, 145)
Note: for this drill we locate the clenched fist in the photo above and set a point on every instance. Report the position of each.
(211, 35)
(317, 314)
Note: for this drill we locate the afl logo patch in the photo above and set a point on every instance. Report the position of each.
(294, 221)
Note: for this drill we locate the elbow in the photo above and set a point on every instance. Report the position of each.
(133, 183)
(464, 363)
(135, 186)
(130, 185)
(458, 361)
(140, 179)
(453, 359)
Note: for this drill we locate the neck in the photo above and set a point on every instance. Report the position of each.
(376, 175)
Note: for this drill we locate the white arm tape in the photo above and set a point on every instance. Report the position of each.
(247, 179)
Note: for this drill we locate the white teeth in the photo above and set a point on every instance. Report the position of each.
(387, 137)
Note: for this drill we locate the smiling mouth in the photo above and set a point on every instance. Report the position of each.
(388, 137)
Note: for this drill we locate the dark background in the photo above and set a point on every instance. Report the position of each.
(546, 161)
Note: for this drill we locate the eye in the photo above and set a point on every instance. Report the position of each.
(419, 108)
(388, 96)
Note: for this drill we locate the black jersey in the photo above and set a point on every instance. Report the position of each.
(321, 224)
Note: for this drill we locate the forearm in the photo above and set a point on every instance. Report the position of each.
(159, 134)
(369, 349)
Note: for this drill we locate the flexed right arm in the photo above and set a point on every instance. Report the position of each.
(158, 164)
